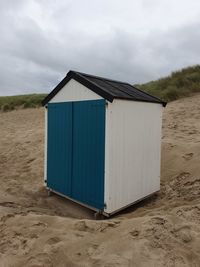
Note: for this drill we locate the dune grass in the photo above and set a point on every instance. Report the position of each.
(179, 84)
(8, 103)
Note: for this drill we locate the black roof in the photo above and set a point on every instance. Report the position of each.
(108, 89)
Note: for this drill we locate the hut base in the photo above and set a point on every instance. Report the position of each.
(99, 214)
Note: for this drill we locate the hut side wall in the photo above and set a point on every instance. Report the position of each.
(133, 146)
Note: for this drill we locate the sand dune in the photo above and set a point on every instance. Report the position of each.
(36, 230)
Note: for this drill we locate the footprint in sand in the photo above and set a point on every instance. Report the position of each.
(158, 220)
(192, 132)
(81, 226)
(188, 156)
(183, 233)
(92, 249)
(30, 160)
(53, 240)
(134, 233)
(40, 224)
(100, 227)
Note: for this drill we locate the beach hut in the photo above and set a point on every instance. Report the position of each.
(102, 142)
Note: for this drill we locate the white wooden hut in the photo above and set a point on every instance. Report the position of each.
(103, 142)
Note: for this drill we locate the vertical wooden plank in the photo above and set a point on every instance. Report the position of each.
(59, 147)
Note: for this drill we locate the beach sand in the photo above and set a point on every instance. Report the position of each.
(37, 230)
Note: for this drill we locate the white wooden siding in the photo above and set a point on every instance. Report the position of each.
(74, 91)
(132, 160)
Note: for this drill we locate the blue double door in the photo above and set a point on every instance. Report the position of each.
(76, 150)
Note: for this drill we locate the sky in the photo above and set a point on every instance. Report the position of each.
(131, 40)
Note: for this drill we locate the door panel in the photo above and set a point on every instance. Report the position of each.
(59, 149)
(88, 152)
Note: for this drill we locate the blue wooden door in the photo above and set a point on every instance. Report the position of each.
(59, 147)
(76, 148)
(88, 152)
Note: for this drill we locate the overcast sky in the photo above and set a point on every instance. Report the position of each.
(131, 40)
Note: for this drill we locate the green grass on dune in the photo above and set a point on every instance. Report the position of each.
(178, 84)
(8, 103)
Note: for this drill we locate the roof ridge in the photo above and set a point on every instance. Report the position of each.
(97, 77)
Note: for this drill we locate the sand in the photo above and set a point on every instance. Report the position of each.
(37, 230)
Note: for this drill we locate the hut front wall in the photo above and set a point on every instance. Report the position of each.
(74, 91)
(133, 147)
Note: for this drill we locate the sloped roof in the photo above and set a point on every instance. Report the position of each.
(106, 88)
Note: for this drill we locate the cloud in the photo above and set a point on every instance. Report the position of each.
(136, 42)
